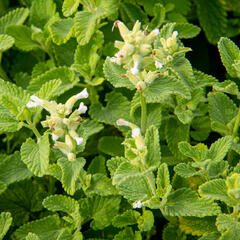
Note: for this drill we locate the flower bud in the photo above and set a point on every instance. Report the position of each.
(54, 137)
(82, 108)
(138, 204)
(79, 140)
(122, 122)
(158, 64)
(82, 94)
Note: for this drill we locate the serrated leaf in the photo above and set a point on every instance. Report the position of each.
(100, 209)
(114, 163)
(14, 17)
(36, 155)
(32, 236)
(172, 231)
(42, 67)
(214, 24)
(61, 30)
(3, 187)
(117, 107)
(23, 37)
(41, 11)
(197, 226)
(185, 170)
(201, 128)
(127, 218)
(97, 165)
(164, 87)
(187, 30)
(219, 149)
(44, 228)
(185, 202)
(221, 110)
(65, 74)
(12, 169)
(70, 173)
(204, 80)
(146, 221)
(111, 145)
(153, 156)
(216, 190)
(126, 233)
(69, 7)
(113, 73)
(5, 223)
(227, 86)
(6, 42)
(163, 180)
(229, 53)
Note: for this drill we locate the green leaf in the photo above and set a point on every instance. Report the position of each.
(12, 169)
(229, 54)
(8, 122)
(146, 221)
(219, 149)
(44, 228)
(201, 128)
(64, 204)
(217, 169)
(113, 72)
(172, 231)
(163, 180)
(69, 7)
(164, 87)
(187, 30)
(185, 202)
(6, 42)
(5, 223)
(32, 236)
(23, 37)
(111, 145)
(216, 190)
(227, 86)
(214, 24)
(127, 218)
(3, 187)
(36, 155)
(197, 226)
(181, 6)
(61, 30)
(176, 132)
(66, 75)
(221, 110)
(153, 156)
(114, 163)
(228, 226)
(204, 80)
(100, 209)
(14, 17)
(41, 11)
(70, 173)
(159, 16)
(117, 107)
(185, 170)
(126, 233)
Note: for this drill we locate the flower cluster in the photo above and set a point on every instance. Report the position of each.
(63, 121)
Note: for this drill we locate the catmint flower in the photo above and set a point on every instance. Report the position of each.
(138, 204)
(158, 64)
(122, 122)
(82, 108)
(54, 137)
(79, 140)
(82, 94)
(135, 70)
(136, 132)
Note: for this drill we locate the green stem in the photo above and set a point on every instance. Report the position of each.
(236, 125)
(143, 113)
(3, 74)
(236, 208)
(31, 126)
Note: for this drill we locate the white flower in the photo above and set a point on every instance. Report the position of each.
(79, 140)
(135, 70)
(82, 94)
(136, 132)
(82, 108)
(175, 33)
(122, 122)
(155, 32)
(138, 204)
(55, 137)
(31, 104)
(158, 64)
(36, 102)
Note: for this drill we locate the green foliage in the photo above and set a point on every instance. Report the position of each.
(5, 222)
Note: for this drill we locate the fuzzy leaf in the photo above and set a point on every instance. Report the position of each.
(44, 228)
(153, 156)
(113, 73)
(159, 16)
(163, 180)
(36, 155)
(14, 17)
(204, 80)
(185, 171)
(219, 149)
(41, 11)
(185, 202)
(23, 37)
(65, 74)
(214, 24)
(146, 221)
(70, 173)
(117, 107)
(69, 7)
(187, 30)
(126, 233)
(127, 218)
(12, 169)
(5, 223)
(229, 53)
(216, 190)
(61, 30)
(114, 163)
(32, 236)
(6, 42)
(100, 209)
(172, 231)
(227, 86)
(97, 165)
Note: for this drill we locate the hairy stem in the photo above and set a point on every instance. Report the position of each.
(31, 126)
(143, 113)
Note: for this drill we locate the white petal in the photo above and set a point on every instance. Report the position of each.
(136, 132)
(155, 32)
(36, 100)
(134, 71)
(54, 137)
(31, 104)
(79, 140)
(137, 204)
(82, 108)
(158, 64)
(175, 33)
(82, 94)
(122, 122)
